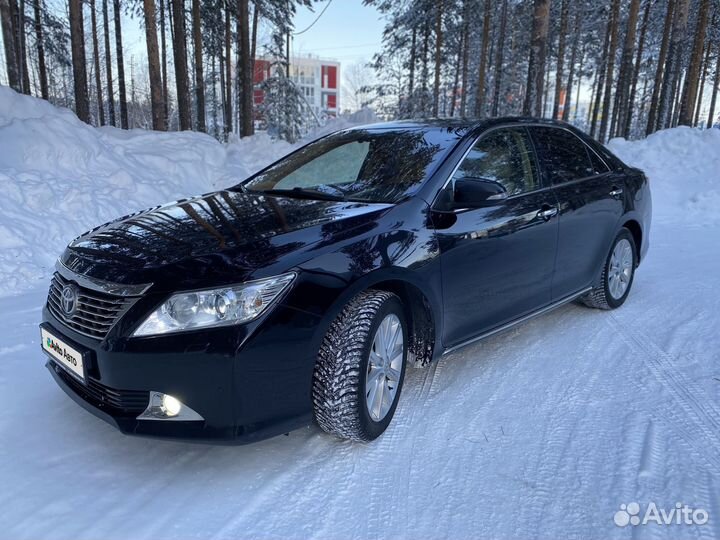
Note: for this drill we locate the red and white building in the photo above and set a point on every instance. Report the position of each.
(317, 78)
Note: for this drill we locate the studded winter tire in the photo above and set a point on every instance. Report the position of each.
(617, 275)
(361, 367)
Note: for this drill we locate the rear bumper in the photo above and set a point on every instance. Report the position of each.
(247, 384)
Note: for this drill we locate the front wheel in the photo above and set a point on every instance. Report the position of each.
(617, 275)
(361, 367)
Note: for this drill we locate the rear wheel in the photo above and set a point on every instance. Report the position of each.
(361, 367)
(617, 275)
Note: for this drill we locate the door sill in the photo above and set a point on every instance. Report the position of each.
(515, 322)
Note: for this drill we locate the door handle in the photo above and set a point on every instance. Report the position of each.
(547, 213)
(616, 192)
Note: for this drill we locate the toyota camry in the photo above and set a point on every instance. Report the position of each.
(303, 293)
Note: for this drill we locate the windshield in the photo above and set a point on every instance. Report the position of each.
(359, 165)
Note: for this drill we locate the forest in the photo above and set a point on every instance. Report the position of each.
(616, 68)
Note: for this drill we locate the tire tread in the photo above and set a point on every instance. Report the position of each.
(337, 377)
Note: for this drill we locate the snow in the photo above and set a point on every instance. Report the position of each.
(543, 431)
(684, 165)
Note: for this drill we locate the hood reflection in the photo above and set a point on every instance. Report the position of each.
(226, 224)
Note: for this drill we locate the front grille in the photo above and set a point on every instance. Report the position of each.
(126, 401)
(96, 311)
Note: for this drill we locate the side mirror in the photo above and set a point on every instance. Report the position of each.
(471, 192)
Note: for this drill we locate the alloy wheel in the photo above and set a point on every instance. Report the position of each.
(620, 270)
(384, 367)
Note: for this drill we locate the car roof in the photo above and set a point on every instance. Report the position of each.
(465, 125)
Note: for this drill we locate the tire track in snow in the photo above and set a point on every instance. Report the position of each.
(410, 407)
(290, 483)
(558, 433)
(697, 415)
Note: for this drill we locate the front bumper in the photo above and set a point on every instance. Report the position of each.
(248, 382)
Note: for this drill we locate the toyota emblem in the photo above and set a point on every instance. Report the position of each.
(68, 299)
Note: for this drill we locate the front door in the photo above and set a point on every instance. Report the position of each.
(497, 261)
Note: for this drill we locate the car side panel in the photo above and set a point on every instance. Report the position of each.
(497, 263)
(406, 253)
(588, 222)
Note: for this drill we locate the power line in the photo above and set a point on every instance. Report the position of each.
(316, 19)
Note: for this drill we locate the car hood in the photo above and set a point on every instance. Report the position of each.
(200, 242)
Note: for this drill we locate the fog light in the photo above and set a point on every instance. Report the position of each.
(171, 405)
(166, 407)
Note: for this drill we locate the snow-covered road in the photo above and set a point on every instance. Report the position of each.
(539, 432)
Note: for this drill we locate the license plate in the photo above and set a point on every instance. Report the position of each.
(63, 354)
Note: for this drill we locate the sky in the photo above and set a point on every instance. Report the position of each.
(347, 31)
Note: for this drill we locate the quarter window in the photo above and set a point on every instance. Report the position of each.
(598, 164)
(503, 156)
(563, 156)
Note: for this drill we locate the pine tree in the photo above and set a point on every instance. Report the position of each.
(500, 45)
(199, 78)
(108, 64)
(181, 69)
(163, 61)
(482, 68)
(227, 97)
(96, 62)
(245, 71)
(156, 90)
(536, 65)
(40, 44)
(438, 54)
(716, 89)
(660, 76)
(465, 54)
(22, 48)
(614, 24)
(622, 93)
(77, 38)
(689, 95)
(671, 78)
(8, 32)
(703, 77)
(636, 70)
(564, 14)
(573, 60)
(124, 123)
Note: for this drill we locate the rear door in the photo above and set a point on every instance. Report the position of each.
(590, 199)
(497, 261)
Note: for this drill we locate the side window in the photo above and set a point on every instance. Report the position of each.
(503, 156)
(563, 156)
(598, 164)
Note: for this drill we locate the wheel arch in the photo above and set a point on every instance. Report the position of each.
(423, 309)
(419, 313)
(636, 230)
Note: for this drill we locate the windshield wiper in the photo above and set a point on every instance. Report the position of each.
(303, 193)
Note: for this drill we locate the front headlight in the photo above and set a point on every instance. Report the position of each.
(214, 307)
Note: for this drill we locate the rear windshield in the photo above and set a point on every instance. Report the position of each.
(362, 165)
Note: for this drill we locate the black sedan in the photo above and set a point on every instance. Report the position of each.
(304, 292)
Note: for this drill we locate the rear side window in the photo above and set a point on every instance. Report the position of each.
(563, 156)
(598, 164)
(503, 156)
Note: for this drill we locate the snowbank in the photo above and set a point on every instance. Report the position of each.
(60, 177)
(683, 165)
